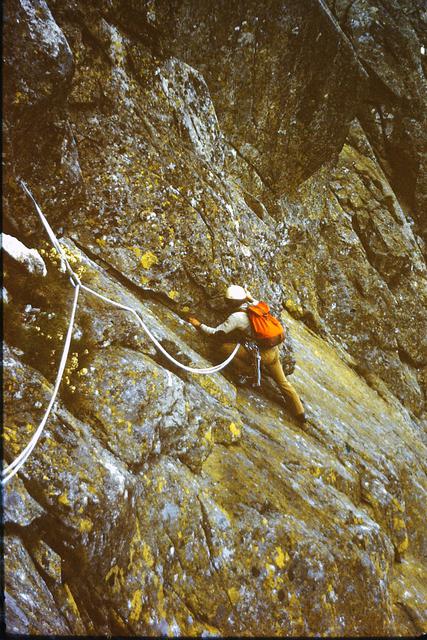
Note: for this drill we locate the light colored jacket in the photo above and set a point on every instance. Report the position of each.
(237, 320)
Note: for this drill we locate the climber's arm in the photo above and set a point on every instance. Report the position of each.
(232, 323)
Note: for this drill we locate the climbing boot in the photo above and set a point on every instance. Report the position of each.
(301, 419)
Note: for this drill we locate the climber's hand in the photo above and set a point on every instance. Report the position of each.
(196, 323)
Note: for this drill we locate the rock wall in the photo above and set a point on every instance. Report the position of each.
(175, 147)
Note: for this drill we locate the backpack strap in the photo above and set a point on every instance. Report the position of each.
(259, 309)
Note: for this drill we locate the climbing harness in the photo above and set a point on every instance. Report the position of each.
(14, 467)
(253, 350)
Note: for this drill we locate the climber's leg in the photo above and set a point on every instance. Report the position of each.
(271, 359)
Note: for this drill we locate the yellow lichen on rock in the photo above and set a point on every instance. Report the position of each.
(137, 251)
(234, 595)
(147, 554)
(117, 575)
(398, 523)
(85, 525)
(148, 260)
(403, 546)
(281, 558)
(236, 432)
(136, 606)
(71, 601)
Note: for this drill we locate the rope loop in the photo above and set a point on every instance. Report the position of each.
(14, 467)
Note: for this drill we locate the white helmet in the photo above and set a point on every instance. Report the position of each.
(234, 292)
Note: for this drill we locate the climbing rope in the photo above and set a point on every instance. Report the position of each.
(205, 371)
(14, 467)
(52, 237)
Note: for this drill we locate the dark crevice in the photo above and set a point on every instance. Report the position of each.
(150, 459)
(169, 585)
(334, 193)
(206, 526)
(29, 537)
(16, 530)
(59, 539)
(208, 535)
(256, 206)
(198, 616)
(248, 162)
(78, 19)
(140, 31)
(141, 293)
(91, 605)
(417, 624)
(406, 358)
(176, 555)
(383, 127)
(366, 249)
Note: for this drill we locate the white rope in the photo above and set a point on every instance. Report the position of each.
(204, 371)
(14, 467)
(50, 233)
(58, 247)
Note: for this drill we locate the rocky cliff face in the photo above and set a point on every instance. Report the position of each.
(175, 147)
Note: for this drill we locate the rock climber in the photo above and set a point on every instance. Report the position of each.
(238, 326)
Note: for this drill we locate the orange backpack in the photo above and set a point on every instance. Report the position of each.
(266, 329)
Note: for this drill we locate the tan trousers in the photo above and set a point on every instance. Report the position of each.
(270, 359)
